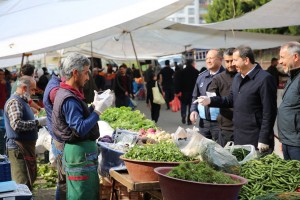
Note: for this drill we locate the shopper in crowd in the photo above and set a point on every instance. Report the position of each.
(275, 72)
(8, 77)
(75, 126)
(155, 108)
(288, 111)
(89, 88)
(186, 81)
(57, 147)
(148, 73)
(166, 81)
(21, 130)
(27, 70)
(123, 87)
(3, 91)
(208, 124)
(253, 98)
(99, 80)
(221, 85)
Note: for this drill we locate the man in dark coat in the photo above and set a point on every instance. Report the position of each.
(166, 81)
(289, 109)
(186, 81)
(221, 85)
(123, 87)
(253, 98)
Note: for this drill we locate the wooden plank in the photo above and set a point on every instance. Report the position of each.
(126, 180)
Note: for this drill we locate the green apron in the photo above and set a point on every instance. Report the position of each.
(81, 162)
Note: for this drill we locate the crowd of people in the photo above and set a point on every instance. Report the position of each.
(235, 102)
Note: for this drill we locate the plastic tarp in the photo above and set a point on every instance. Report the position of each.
(274, 14)
(47, 25)
(211, 38)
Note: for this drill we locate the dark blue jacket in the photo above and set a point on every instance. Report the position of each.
(253, 99)
(72, 119)
(21, 136)
(53, 83)
(288, 120)
(203, 81)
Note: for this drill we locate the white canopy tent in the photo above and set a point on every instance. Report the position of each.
(47, 25)
(274, 14)
(152, 38)
(155, 40)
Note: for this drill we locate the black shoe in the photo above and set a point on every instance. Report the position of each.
(183, 120)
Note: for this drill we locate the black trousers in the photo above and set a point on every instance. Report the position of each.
(169, 96)
(209, 129)
(155, 108)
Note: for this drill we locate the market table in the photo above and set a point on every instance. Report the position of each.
(123, 177)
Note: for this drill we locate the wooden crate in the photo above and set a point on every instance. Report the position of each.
(123, 194)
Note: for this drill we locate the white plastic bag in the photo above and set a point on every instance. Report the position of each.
(252, 152)
(208, 150)
(105, 129)
(43, 142)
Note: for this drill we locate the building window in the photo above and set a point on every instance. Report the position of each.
(191, 11)
(180, 19)
(191, 20)
(181, 11)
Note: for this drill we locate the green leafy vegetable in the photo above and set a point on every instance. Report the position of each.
(164, 152)
(200, 172)
(125, 118)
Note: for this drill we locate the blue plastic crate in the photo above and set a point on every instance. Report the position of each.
(5, 172)
(109, 159)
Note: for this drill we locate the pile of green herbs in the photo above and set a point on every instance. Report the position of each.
(200, 172)
(163, 152)
(125, 118)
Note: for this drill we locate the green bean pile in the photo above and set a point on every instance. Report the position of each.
(269, 175)
(240, 153)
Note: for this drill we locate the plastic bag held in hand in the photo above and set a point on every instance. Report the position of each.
(175, 104)
(103, 101)
(42, 121)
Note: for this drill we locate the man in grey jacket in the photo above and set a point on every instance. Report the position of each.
(289, 110)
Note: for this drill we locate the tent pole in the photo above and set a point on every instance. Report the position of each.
(92, 58)
(136, 58)
(138, 63)
(22, 59)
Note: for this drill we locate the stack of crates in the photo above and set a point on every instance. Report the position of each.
(5, 172)
(2, 133)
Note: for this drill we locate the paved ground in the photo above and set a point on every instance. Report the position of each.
(168, 120)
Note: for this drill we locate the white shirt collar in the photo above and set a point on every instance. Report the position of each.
(249, 71)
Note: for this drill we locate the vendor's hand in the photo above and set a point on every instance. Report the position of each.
(42, 121)
(262, 147)
(194, 116)
(204, 100)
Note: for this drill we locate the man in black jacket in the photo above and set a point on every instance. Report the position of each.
(184, 83)
(288, 111)
(123, 87)
(221, 85)
(253, 98)
(166, 81)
